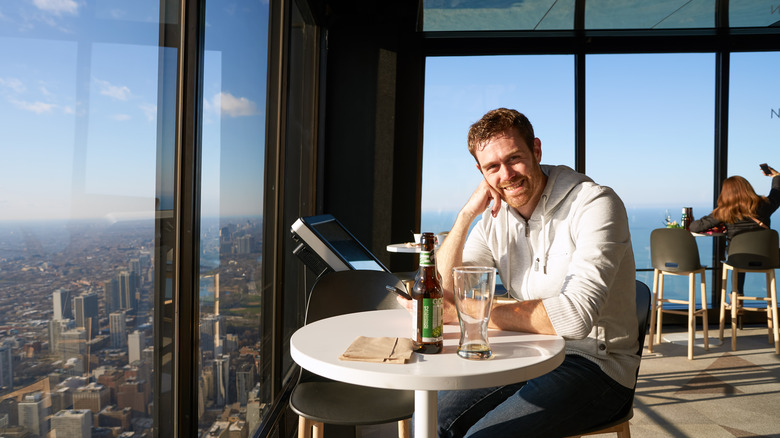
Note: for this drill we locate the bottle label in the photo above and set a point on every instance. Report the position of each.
(432, 316)
(426, 258)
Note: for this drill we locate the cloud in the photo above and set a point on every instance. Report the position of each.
(14, 84)
(113, 91)
(150, 111)
(121, 117)
(235, 106)
(57, 6)
(36, 107)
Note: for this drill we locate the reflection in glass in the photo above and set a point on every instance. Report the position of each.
(78, 196)
(447, 15)
(232, 393)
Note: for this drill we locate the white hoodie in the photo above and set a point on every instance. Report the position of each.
(575, 254)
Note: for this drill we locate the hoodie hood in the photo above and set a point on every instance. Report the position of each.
(561, 180)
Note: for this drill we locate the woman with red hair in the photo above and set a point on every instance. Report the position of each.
(740, 209)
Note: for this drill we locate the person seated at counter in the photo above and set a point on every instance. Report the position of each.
(739, 209)
(562, 247)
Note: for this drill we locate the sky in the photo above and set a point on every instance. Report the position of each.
(79, 109)
(649, 121)
(79, 114)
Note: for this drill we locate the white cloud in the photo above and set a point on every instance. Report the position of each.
(150, 111)
(116, 92)
(121, 117)
(14, 84)
(57, 6)
(36, 107)
(235, 106)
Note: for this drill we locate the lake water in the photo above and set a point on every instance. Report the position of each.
(642, 221)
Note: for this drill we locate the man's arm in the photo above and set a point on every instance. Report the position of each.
(450, 253)
(523, 316)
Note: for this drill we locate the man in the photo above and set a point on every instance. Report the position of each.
(562, 248)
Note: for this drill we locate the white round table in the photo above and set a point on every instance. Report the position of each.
(409, 248)
(516, 357)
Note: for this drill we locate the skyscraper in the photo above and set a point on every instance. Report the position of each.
(6, 367)
(111, 295)
(72, 423)
(116, 324)
(136, 342)
(85, 308)
(61, 303)
(56, 328)
(127, 290)
(245, 381)
(222, 379)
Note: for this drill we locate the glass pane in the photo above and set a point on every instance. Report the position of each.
(233, 380)
(754, 130)
(459, 91)
(659, 14)
(77, 208)
(754, 13)
(650, 137)
(443, 15)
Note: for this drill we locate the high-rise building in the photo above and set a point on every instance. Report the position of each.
(127, 290)
(33, 411)
(118, 329)
(136, 342)
(85, 310)
(245, 381)
(6, 367)
(56, 328)
(73, 344)
(61, 301)
(72, 423)
(111, 295)
(222, 379)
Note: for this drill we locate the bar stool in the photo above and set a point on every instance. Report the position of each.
(757, 252)
(673, 251)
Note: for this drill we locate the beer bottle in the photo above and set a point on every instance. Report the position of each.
(428, 301)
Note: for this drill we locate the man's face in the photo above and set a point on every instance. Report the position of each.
(512, 169)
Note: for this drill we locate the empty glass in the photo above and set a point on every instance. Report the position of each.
(474, 287)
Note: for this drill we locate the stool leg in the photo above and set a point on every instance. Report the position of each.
(734, 308)
(660, 310)
(691, 313)
(318, 430)
(653, 305)
(775, 321)
(403, 428)
(723, 284)
(304, 427)
(704, 320)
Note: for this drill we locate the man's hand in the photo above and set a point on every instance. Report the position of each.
(450, 313)
(480, 200)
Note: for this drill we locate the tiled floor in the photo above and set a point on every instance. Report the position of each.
(720, 393)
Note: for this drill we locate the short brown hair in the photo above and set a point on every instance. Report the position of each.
(496, 122)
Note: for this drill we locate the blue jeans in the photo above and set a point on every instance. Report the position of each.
(573, 397)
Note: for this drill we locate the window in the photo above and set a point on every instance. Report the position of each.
(650, 137)
(79, 193)
(459, 91)
(754, 127)
(232, 376)
(93, 177)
